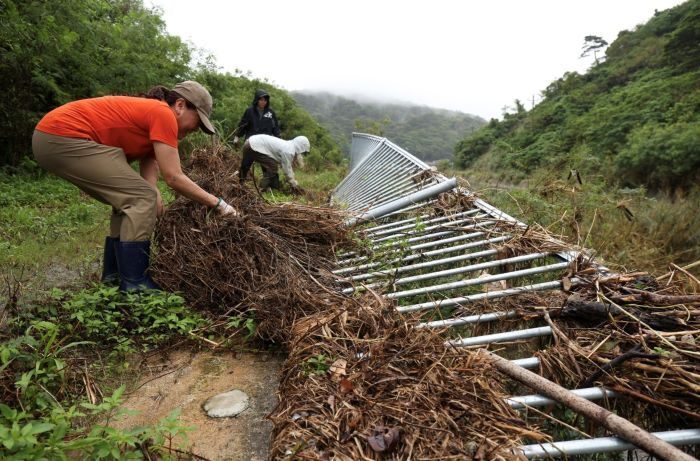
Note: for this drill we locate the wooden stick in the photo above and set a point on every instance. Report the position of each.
(689, 266)
(634, 394)
(690, 276)
(619, 426)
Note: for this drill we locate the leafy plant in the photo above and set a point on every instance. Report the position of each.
(318, 364)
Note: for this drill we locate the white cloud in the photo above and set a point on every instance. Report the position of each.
(476, 57)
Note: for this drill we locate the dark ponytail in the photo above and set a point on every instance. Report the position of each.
(162, 93)
(158, 92)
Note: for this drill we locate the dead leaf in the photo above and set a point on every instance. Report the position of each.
(566, 283)
(346, 386)
(337, 369)
(384, 439)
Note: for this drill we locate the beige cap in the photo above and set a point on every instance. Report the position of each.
(201, 99)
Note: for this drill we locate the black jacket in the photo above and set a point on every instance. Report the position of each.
(253, 122)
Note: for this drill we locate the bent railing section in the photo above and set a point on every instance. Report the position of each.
(428, 259)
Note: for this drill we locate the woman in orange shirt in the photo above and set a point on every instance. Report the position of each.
(91, 142)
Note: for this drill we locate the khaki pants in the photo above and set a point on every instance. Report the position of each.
(103, 173)
(269, 166)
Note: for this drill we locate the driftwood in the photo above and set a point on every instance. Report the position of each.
(614, 423)
(641, 296)
(591, 310)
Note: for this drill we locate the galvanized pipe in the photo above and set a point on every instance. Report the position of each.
(536, 400)
(482, 296)
(500, 337)
(529, 362)
(362, 174)
(422, 238)
(403, 202)
(366, 194)
(455, 271)
(468, 320)
(392, 192)
(604, 445)
(416, 221)
(375, 171)
(479, 281)
(423, 265)
(367, 152)
(388, 226)
(410, 208)
(448, 225)
(400, 173)
(429, 254)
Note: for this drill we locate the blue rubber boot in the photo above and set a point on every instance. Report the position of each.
(133, 259)
(110, 270)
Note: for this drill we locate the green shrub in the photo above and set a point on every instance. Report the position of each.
(662, 156)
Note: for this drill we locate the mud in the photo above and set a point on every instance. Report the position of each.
(184, 380)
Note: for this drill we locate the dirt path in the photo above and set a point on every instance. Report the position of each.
(185, 380)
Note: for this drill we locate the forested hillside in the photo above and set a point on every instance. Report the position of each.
(426, 132)
(633, 118)
(54, 52)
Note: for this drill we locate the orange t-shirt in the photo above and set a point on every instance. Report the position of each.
(130, 123)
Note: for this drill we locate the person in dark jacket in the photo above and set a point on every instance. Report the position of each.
(258, 119)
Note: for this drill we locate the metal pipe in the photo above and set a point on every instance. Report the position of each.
(381, 178)
(481, 296)
(604, 445)
(423, 265)
(375, 172)
(365, 157)
(424, 194)
(410, 208)
(536, 400)
(393, 178)
(422, 238)
(431, 253)
(449, 218)
(478, 281)
(362, 174)
(470, 319)
(375, 229)
(454, 271)
(500, 337)
(529, 362)
(449, 225)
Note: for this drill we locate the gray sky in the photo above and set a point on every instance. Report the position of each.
(476, 57)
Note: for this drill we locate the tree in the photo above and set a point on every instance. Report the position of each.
(593, 43)
(55, 52)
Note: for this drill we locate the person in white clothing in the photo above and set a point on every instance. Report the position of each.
(271, 153)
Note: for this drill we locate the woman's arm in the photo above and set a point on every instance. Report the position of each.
(149, 171)
(169, 165)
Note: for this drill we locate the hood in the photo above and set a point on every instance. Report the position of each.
(259, 94)
(301, 144)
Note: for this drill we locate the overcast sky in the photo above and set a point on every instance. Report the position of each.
(475, 57)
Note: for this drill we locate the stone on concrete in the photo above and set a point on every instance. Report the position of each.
(228, 404)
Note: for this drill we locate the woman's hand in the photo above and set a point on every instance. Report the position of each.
(224, 209)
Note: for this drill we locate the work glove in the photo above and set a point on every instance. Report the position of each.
(224, 209)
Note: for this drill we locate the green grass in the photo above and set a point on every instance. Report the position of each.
(45, 220)
(626, 228)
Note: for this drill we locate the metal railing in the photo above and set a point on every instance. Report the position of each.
(449, 262)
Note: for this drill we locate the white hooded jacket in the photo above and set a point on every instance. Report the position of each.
(281, 151)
